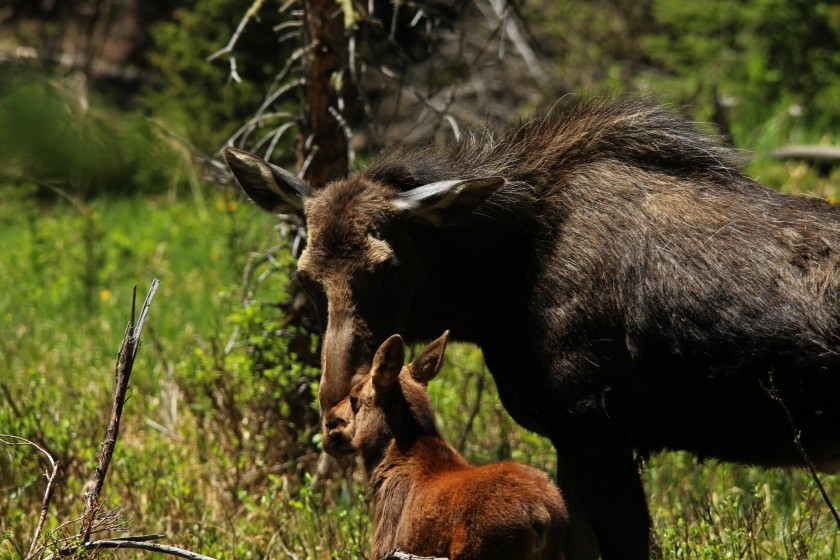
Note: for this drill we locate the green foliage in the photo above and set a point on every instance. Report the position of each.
(54, 138)
(727, 511)
(247, 384)
(764, 57)
(217, 446)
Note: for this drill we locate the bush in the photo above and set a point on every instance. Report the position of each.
(55, 139)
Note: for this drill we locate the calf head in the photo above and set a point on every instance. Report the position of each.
(391, 402)
(360, 266)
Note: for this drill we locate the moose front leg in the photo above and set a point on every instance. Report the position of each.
(607, 505)
(581, 542)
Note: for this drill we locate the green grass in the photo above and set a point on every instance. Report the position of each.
(216, 452)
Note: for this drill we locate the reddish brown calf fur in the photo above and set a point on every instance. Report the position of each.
(429, 501)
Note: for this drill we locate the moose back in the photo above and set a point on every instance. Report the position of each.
(631, 289)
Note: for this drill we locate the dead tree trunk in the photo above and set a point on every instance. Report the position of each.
(323, 145)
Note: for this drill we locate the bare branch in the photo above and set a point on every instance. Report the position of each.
(512, 31)
(140, 544)
(399, 555)
(125, 363)
(227, 49)
(52, 478)
(48, 493)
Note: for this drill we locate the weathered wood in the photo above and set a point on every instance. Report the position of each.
(323, 143)
(399, 555)
(132, 544)
(125, 363)
(816, 154)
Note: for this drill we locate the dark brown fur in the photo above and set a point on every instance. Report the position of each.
(428, 500)
(631, 289)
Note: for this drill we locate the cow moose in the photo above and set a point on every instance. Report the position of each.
(631, 289)
(427, 499)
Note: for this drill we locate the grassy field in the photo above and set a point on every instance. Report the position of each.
(219, 447)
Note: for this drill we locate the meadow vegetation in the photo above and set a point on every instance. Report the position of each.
(219, 449)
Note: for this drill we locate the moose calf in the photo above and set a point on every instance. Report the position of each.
(428, 499)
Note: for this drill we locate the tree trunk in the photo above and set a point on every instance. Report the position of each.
(323, 145)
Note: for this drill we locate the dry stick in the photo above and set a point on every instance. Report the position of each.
(48, 493)
(137, 544)
(227, 49)
(797, 441)
(125, 363)
(399, 555)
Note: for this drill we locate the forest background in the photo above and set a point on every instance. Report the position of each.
(112, 115)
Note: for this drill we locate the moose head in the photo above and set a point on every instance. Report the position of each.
(361, 266)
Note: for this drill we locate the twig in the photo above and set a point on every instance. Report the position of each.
(125, 363)
(227, 49)
(136, 544)
(48, 493)
(399, 555)
(797, 442)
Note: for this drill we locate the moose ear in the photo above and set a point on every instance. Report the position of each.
(387, 363)
(426, 366)
(443, 202)
(271, 187)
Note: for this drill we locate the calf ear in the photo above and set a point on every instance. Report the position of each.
(427, 365)
(271, 187)
(446, 201)
(387, 363)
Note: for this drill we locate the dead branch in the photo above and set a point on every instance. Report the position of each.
(48, 493)
(399, 555)
(134, 543)
(125, 363)
(228, 49)
(817, 154)
(797, 442)
(510, 25)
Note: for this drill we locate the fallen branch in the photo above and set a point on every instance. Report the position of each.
(399, 555)
(797, 442)
(138, 544)
(816, 154)
(125, 363)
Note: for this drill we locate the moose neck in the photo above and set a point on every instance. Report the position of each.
(469, 267)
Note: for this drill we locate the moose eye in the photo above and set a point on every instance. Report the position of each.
(388, 268)
(306, 281)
